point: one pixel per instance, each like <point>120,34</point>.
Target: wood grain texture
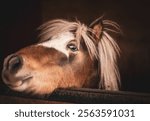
<point>78,96</point>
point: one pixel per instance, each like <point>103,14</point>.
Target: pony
<point>69,54</point>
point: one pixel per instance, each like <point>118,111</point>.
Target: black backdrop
<point>20,18</point>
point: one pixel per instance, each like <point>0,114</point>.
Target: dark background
<point>20,19</point>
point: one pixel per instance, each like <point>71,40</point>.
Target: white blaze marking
<point>59,42</point>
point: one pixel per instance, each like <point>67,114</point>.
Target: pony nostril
<point>14,63</point>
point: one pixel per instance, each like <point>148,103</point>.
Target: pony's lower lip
<point>22,81</point>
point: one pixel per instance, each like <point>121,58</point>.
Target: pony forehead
<point>59,42</point>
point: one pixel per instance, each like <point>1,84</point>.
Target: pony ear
<point>108,51</point>
<point>97,27</point>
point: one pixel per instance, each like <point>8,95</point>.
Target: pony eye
<point>72,47</point>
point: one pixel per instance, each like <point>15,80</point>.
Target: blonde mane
<point>105,51</point>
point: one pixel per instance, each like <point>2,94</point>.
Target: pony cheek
<point>43,85</point>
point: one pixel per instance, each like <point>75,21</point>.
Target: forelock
<point>81,31</point>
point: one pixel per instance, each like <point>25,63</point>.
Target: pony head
<point>69,54</point>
